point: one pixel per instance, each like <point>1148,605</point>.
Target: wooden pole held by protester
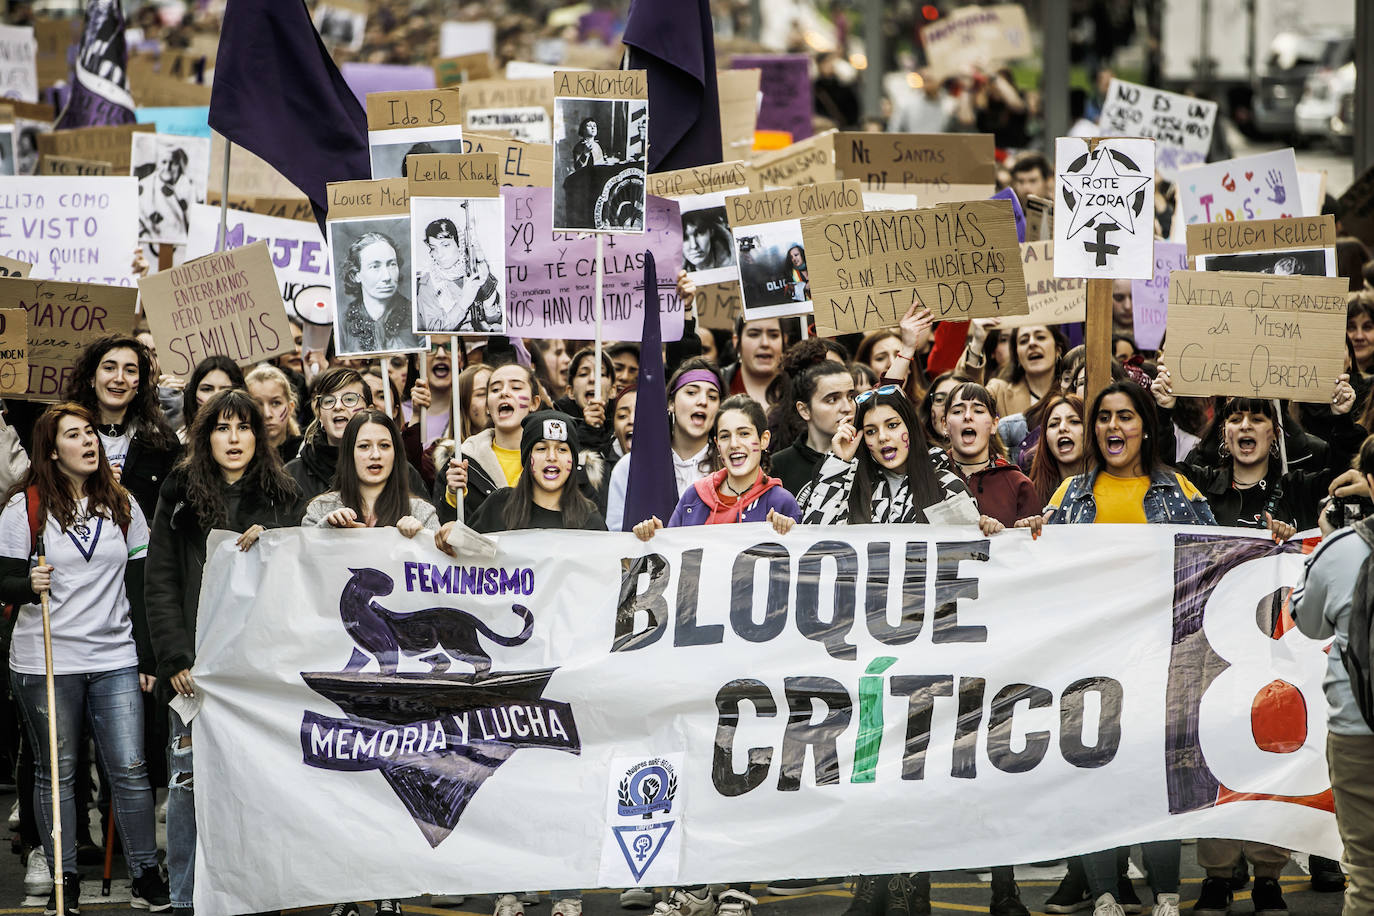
<point>1099,342</point>
<point>596,312</point>
<point>53,780</point>
<point>386,387</point>
<point>424,411</point>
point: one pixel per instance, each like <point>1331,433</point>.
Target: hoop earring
<point>1223,451</point>
<point>1274,448</point>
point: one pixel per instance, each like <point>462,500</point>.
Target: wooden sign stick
<point>1099,342</point>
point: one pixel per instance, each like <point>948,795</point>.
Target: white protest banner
<point>224,304</point>
<point>18,63</point>
<point>976,37</point>
<point>1180,125</point>
<point>80,231</point>
<point>903,657</point>
<point>299,255</point>
<point>1104,193</point>
<point>1263,186</point>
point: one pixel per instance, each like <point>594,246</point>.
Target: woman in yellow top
<point>1128,483</point>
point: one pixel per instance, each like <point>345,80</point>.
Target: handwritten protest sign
<point>938,168</point>
<point>14,351</point>
<point>550,275</point>
<point>961,259</point>
<point>1262,235</point>
<point>225,304</point>
<point>404,123</point>
<point>708,250</point>
<point>84,231</point>
<point>601,140</point>
<point>267,206</point>
<point>704,179</point>
<point>296,247</point>
<point>811,161</point>
<point>786,83</point>
<point>1105,194</point>
<point>62,319</point>
<point>1150,298</point>
<point>1180,125</point>
<point>769,248</point>
<point>100,144</point>
<point>1256,335</point>
<point>1263,186</point>
<point>18,63</point>
<point>739,93</point>
<point>521,164</point>
<point>976,37</point>
<point>66,165</point>
<point>481,97</point>
<point>1050,299</point>
<point>718,304</point>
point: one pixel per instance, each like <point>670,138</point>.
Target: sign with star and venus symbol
<point>1104,201</point>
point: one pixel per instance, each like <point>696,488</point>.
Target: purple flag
<point>100,94</point>
<point>673,41</point>
<point>652,487</point>
<point>278,94</point>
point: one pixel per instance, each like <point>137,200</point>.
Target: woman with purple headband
<point>694,394</point>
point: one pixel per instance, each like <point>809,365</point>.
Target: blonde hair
<point>269,374</point>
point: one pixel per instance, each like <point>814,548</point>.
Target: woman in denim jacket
<point>1128,483</point>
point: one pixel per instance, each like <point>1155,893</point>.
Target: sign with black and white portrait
<point>172,172</point>
<point>601,148</point>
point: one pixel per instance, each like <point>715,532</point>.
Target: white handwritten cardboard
<point>1264,186</point>
<point>1104,208</point>
<point>1180,125</point>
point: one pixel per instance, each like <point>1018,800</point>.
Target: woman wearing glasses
<point>338,393</point>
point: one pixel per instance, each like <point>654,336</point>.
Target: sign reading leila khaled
<point>436,725</point>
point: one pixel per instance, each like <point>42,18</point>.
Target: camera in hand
<point>1344,511</point>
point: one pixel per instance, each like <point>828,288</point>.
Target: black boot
<point>1327,876</point>
<point>908,895</point>
<point>1072,893</point>
<point>1125,890</point>
<point>869,896</point>
<point>1006,896</point>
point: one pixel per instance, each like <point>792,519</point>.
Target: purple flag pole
<point>652,487</point>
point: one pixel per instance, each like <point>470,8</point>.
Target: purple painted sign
<point>365,78</point>
<point>550,276</point>
<point>786,86</point>
<point>1150,298</point>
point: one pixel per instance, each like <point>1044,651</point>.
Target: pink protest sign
<point>550,276</point>
<point>1150,298</point>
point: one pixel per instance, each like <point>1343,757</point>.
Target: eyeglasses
<point>347,399</point>
<point>886,389</point>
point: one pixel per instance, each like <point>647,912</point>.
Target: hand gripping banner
<point>726,704</point>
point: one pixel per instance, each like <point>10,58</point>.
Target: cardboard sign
<point>1262,235</point>
<point>718,305</point>
<point>601,84</point>
<point>225,304</point>
<point>551,275</point>
<point>99,144</point>
<point>506,95</point>
<point>978,37</point>
<point>1039,219</point>
<point>1256,335</point>
<point>769,248</point>
<point>62,319</point>
<point>14,351</point>
<point>1104,191</point>
<point>400,124</point>
<point>601,149</point>
<point>1180,125</point>
<point>282,208</point>
<point>1263,186</point>
<point>9,267</point>
<point>296,246</point>
<point>451,71</point>
<point>154,90</point>
<point>808,162</point>
<point>786,83</point>
<point>938,168</point>
<point>521,164</point>
<point>705,179</point>
<point>1049,299</point>
<point>67,165</point>
<point>962,260</point>
<point>54,37</point>
<point>18,63</point>
<point>1150,298</point>
<point>79,231</point>
<point>739,106</point>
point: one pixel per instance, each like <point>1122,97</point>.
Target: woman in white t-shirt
<point>95,538</point>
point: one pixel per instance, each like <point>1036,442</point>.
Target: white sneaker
<point>508,905</point>
<point>14,816</point>
<point>567,906</point>
<point>1165,905</point>
<point>735,903</point>
<point>37,881</point>
<point>635,898</point>
<point>685,903</point>
<point>1106,905</point>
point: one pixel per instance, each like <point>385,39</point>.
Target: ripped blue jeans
<point>181,816</point>
<point>112,703</point>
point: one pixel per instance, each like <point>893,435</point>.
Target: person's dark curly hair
<point>144,412</point>
<point>783,420</point>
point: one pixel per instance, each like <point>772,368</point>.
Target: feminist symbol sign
<point>1105,192</point>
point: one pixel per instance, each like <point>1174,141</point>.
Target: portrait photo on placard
<point>26,134</point>
<point>458,283</point>
<point>601,149</point>
<point>772,269</point>
<point>341,27</point>
<point>7,149</point>
<point>708,253</point>
<point>172,172</point>
<point>389,157</point>
<point>1301,262</point>
<point>371,266</point>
